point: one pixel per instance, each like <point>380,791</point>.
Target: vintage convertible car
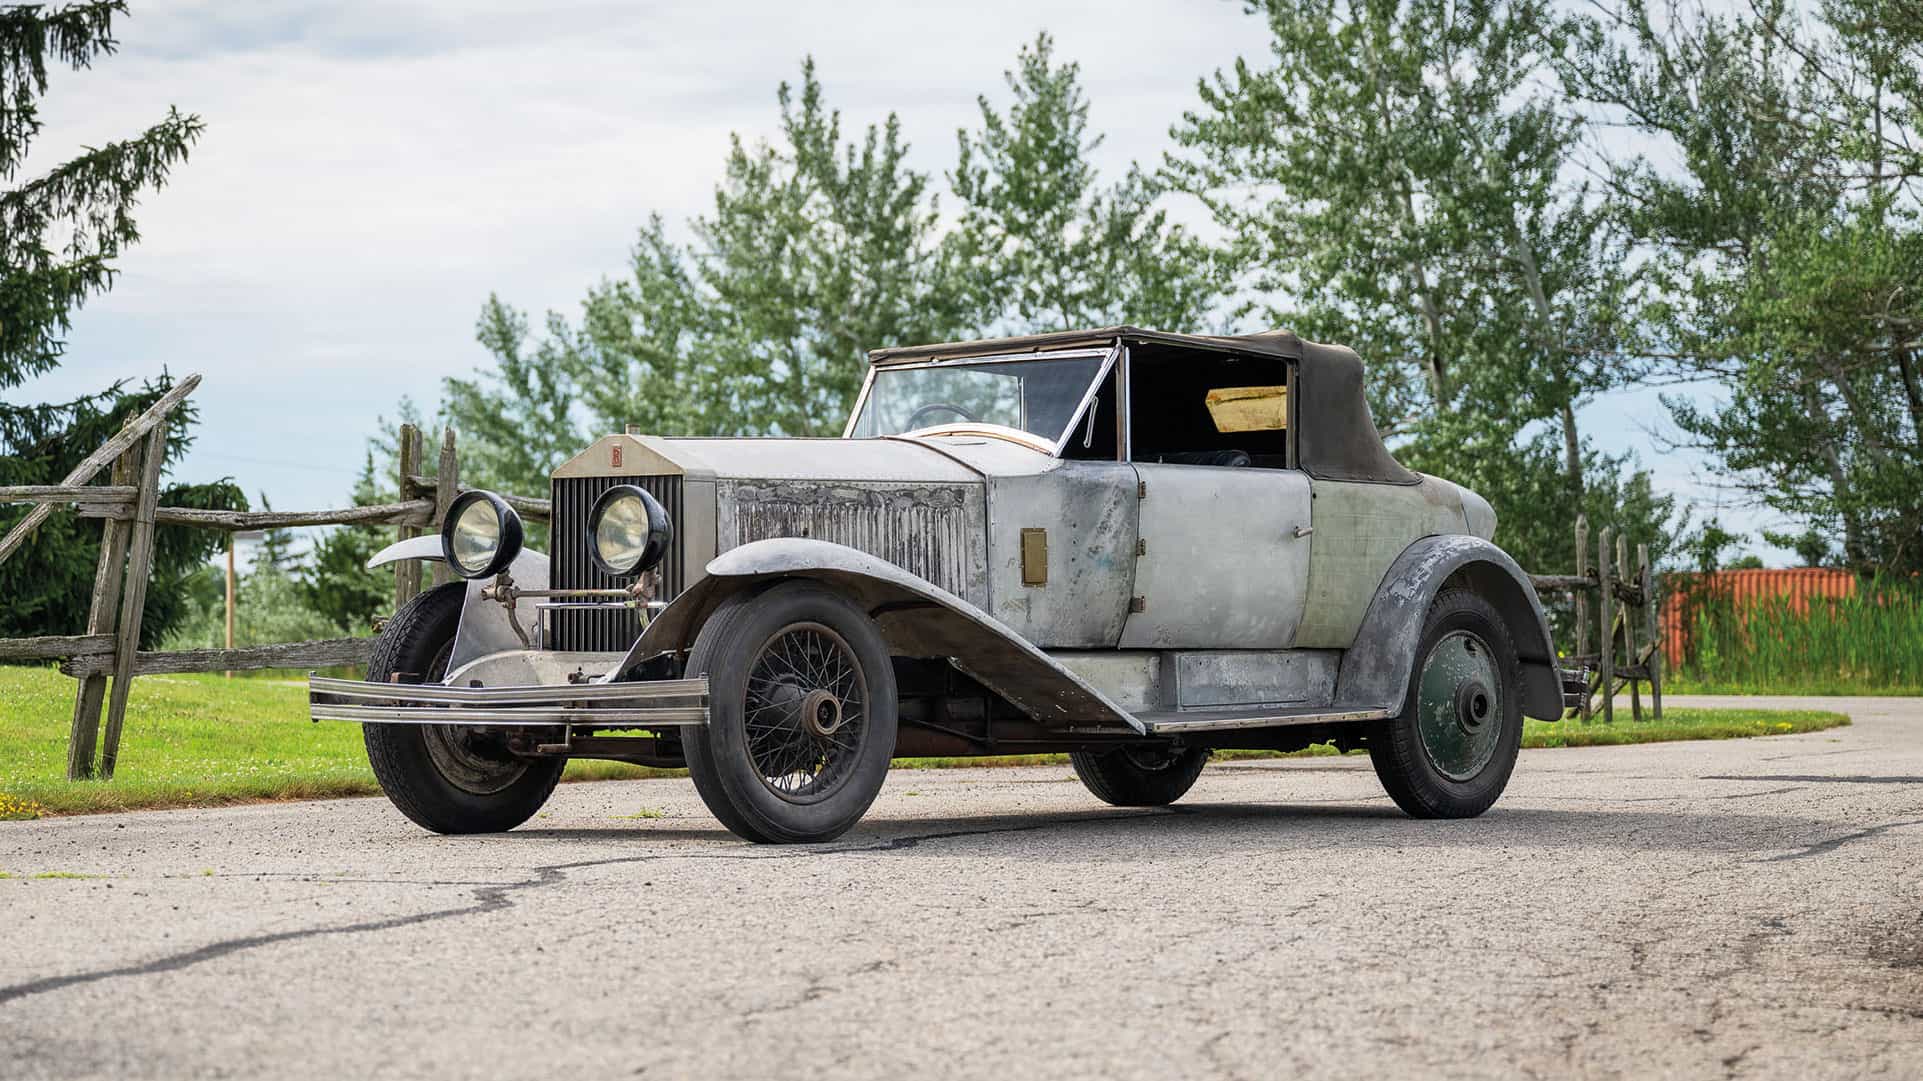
<point>1132,546</point>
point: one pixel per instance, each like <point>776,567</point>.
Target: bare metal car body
<point>1039,589</point>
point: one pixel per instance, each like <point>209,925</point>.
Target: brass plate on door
<point>1034,557</point>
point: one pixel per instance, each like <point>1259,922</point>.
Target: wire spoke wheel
<point>802,713</point>
<point>806,712</point>
<point>1458,702</point>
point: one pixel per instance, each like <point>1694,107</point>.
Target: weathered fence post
<point>1629,631</point>
<point>1604,598</point>
<point>108,577</point>
<point>407,572</point>
<point>1654,612</point>
<point>447,485</point>
<point>140,558</point>
<point>1582,600</point>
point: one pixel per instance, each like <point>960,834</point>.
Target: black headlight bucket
<point>508,522</point>
<point>653,550</point>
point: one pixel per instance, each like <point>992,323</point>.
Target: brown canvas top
<point>1275,343</point>
<point>1336,437</point>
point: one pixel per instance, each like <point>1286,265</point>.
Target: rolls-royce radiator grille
<point>571,567</point>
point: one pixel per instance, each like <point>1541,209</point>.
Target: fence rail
<point>107,657</point>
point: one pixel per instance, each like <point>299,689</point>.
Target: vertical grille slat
<point>604,630</point>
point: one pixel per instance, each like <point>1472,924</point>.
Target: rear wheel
<point>1139,776</point>
<point>446,778</point>
<point>802,714</point>
<point>1451,751</point>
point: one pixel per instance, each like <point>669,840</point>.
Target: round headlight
<point>481,535</point>
<point>628,531</point>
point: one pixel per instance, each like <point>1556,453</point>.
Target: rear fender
<point>916,617</point>
<point>1375,671</point>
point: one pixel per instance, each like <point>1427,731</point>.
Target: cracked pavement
<point>1749,908</point>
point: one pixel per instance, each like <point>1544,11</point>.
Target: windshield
<point>1040,396</point>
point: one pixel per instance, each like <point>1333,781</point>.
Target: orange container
<point>1745,589</point>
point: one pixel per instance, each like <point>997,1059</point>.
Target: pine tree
<point>61,233</point>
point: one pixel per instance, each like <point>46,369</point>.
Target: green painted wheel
<point>1456,700</point>
<point>1450,752</point>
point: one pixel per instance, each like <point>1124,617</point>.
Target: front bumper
<point>662,703</point>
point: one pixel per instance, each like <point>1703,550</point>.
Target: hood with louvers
<point>905,501</point>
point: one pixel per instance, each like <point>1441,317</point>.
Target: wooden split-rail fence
<point>106,657</point>
<point>1618,624</point>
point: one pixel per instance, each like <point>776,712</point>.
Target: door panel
<point>1222,566</point>
<point>1084,513</point>
<point>1359,530</point>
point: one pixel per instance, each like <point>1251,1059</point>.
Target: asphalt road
<point>1746,909</point>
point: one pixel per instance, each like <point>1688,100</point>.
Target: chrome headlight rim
<point>660,532</point>
<point>506,547</point>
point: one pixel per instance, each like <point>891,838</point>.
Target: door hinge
<point>1141,489</point>
<point>1138,604</point>
<point>1141,546</point>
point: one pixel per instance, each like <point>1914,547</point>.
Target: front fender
<point>1375,671</point>
<point>423,548</point>
<point>917,617</point>
<point>485,627</point>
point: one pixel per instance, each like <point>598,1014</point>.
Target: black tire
<point>1139,776</point>
<point>827,777</point>
<point>1449,753</point>
<point>446,779</point>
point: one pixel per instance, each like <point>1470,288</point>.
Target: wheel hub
<point>471,761</point>
<point>804,712</point>
<point>1473,706</point>
<point>1459,705</point>
<point>821,712</point>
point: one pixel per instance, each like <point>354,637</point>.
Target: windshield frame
<point>1110,356</point>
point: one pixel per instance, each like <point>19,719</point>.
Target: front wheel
<point>801,714</point>
<point>446,778</point>
<point>1451,751</point>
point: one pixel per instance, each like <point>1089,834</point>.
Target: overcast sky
<point>371,171</point>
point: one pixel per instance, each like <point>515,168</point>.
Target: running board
<point>1176,722</point>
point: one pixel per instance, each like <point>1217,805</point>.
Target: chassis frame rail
<point>648,704</point>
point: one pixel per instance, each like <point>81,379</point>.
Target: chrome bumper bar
<point>659,703</point>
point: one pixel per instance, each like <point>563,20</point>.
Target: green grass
<point>190,741</point>
<point>1680,724</point>
<point>195,741</point>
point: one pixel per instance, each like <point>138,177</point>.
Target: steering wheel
<point>914,419</point>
